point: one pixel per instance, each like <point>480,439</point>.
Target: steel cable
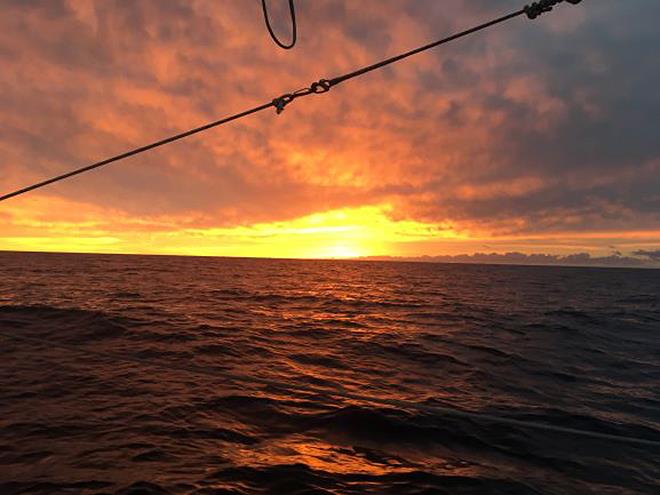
<point>532,11</point>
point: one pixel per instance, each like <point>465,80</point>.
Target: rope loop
<point>294,26</point>
<point>321,86</point>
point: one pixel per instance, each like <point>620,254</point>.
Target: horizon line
<point>431,259</point>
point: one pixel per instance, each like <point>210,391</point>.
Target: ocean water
<point>155,375</point>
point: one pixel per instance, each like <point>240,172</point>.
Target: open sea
<point>159,375</point>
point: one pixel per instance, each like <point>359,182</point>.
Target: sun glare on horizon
<point>341,251</point>
<point>340,233</point>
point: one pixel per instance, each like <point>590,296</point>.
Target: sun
<point>340,251</point>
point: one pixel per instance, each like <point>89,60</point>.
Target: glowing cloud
<point>530,136</point>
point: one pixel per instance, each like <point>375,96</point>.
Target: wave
<point>321,301</point>
<point>301,479</point>
<point>67,324</point>
<point>578,351</point>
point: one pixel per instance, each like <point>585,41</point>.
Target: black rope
<point>410,53</point>
<point>294,26</point>
<point>322,86</point>
<point>136,151</point>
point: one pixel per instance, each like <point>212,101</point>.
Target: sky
<point>534,137</point>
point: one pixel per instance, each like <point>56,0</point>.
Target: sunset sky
<point>535,136</point>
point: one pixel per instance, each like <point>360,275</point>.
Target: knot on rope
<point>321,86</point>
<point>535,9</point>
<point>281,101</point>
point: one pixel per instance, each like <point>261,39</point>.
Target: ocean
<point>184,375</point>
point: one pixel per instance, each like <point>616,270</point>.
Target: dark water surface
<point>573,347</point>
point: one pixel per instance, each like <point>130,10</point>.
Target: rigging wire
<point>294,26</point>
<point>339,391</point>
<point>532,11</point>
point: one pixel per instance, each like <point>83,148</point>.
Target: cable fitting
<point>535,9</point>
<point>321,86</point>
<point>280,102</point>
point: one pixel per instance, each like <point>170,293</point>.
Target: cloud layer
<point>530,130</point>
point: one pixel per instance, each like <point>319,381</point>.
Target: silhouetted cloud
<point>577,259</point>
<point>652,255</point>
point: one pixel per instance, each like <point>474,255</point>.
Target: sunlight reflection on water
<point>550,344</point>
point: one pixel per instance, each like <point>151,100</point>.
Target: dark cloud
<point>652,255</point>
<point>515,258</point>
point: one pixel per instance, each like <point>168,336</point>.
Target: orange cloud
<point>520,135</point>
